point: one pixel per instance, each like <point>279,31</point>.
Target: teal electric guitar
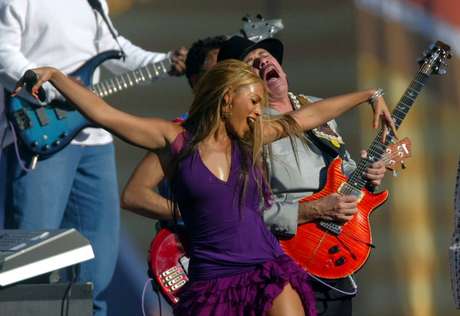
<point>44,130</point>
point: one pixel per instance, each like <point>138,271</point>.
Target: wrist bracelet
<point>378,93</point>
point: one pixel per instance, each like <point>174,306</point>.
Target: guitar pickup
<point>177,280</point>
<point>22,120</point>
<point>333,228</point>
<point>60,114</point>
<point>176,283</point>
<point>347,189</point>
<point>172,270</point>
<point>41,116</point>
<point>173,276</point>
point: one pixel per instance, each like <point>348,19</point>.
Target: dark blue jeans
<point>77,187</point>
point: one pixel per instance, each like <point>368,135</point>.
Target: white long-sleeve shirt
<point>296,171</point>
<point>63,34</point>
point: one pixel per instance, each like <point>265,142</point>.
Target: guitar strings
<point>377,148</point>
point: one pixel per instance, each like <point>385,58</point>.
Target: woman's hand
<point>382,113</point>
<point>33,79</point>
<point>151,133</point>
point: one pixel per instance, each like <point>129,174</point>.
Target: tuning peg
<point>421,60</point>
<point>259,16</point>
<point>442,69</point>
<point>403,165</point>
<point>246,18</point>
<point>425,53</point>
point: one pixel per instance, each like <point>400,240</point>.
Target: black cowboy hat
<point>238,47</point>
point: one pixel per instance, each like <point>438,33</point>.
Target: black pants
<point>329,302</point>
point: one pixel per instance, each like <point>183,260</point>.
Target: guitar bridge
<point>333,228</point>
<point>22,119</point>
<point>60,113</point>
<point>41,116</point>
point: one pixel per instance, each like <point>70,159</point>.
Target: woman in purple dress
<point>215,168</point>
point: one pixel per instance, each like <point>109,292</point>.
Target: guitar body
<point>329,250</point>
<point>45,130</point>
<point>168,263</point>
<point>325,254</point>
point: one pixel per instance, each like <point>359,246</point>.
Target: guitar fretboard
<point>377,149</point>
<point>457,204</point>
<point>132,78</point>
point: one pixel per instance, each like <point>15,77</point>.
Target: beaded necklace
<point>323,131</point>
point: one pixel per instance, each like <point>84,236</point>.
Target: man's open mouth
<point>272,74</point>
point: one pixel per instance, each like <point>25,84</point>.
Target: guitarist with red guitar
<point>329,209</point>
<point>297,169</point>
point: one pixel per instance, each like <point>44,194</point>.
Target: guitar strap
<point>325,146</point>
<point>324,137</point>
<point>96,6</point>
<point>328,141</point>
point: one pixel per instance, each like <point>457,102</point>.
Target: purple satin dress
<point>237,266</point>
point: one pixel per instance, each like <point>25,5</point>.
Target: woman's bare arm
<point>139,196</point>
<point>143,132</point>
<point>317,113</point>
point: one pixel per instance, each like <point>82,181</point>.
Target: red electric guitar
<point>331,250</point>
<point>168,259</point>
<point>168,262</point>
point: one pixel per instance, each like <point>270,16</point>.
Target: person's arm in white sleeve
<point>135,56</point>
<point>13,63</point>
<point>282,217</point>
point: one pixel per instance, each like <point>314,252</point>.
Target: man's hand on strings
<point>375,172</point>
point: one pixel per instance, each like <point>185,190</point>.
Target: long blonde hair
<point>207,108</point>
<point>206,113</point>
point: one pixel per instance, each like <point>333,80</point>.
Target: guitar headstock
<point>257,28</point>
<point>434,60</point>
<point>396,153</point>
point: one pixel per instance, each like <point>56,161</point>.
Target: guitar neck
<point>132,78</point>
<point>255,29</point>
<point>377,148</point>
<point>457,201</point>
